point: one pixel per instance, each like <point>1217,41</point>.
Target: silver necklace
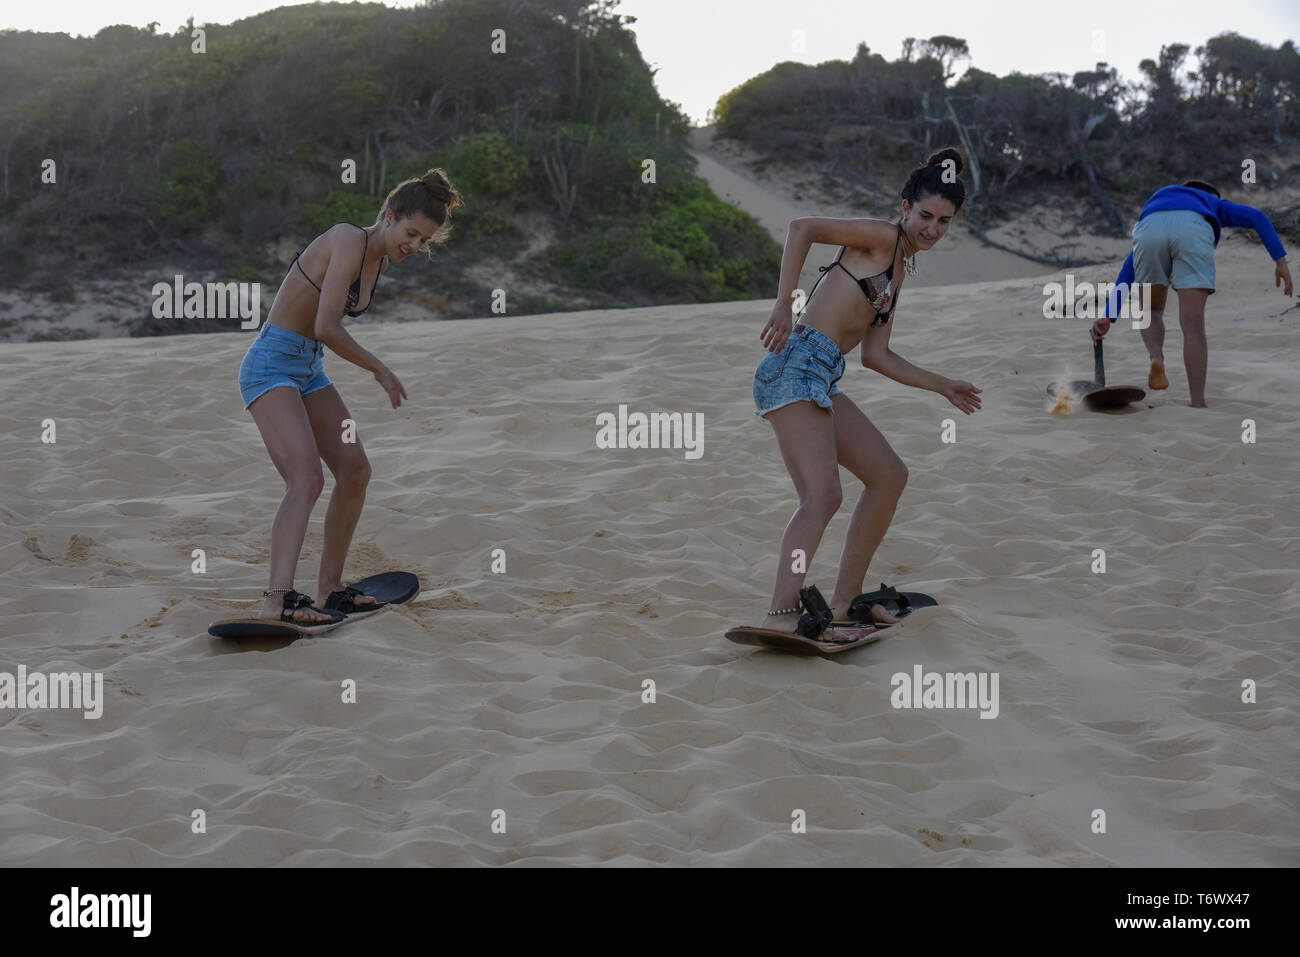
<point>909,262</point>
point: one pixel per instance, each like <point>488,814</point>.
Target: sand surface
<point>522,692</point>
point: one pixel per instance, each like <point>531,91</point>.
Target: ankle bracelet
<point>276,591</point>
<point>783,611</point>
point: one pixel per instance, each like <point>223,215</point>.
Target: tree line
<point>1087,134</point>
<point>204,158</point>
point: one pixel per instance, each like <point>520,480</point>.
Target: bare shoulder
<point>864,234</point>
<point>343,246</point>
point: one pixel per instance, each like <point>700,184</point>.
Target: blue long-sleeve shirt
<point>1219,212</point>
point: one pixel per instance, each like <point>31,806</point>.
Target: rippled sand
<point>522,692</point>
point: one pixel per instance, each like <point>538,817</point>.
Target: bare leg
<point>1191,316</point>
<point>865,453</point>
<point>351,470</point>
<point>1154,337</point>
<point>285,429</point>
<point>806,436</point>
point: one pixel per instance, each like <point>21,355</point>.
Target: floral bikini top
<point>879,289</point>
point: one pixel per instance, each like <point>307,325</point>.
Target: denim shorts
<point>807,368</point>
<point>281,357</point>
<point>1174,247</point>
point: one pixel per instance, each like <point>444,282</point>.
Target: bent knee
<point>307,483</point>
<point>893,475</point>
<point>354,475</point>
<point>823,502</point>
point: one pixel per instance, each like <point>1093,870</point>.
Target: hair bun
<point>437,183</point>
<point>937,159</point>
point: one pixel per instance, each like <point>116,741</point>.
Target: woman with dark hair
<point>301,414</point>
<point>818,427</point>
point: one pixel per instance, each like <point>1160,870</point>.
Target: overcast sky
<point>703,48</point>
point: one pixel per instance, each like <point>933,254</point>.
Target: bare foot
<point>1157,378</point>
<point>786,623</point>
<point>878,613</point>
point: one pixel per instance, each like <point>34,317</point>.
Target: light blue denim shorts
<point>278,357</point>
<point>806,369</point>
<point>1174,247</point>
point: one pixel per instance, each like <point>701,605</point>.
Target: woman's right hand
<point>778,327</point>
<point>391,385</point>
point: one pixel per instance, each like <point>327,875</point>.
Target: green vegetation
<point>208,159</point>
<point>1090,133</point>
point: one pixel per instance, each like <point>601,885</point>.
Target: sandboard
<point>799,645</point>
<point>1106,397</point>
<point>393,588</point>
<point>1095,394</point>
<point>254,627</point>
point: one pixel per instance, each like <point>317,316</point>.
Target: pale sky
<point>703,48</point>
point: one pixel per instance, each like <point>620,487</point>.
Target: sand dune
<point>961,258</point>
<point>522,691</point>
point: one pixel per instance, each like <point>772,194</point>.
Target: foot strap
<point>346,601</point>
<point>818,614</point>
<point>895,602</point>
<point>293,601</point>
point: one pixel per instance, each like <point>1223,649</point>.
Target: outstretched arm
<point>1123,288</point>
<point>1248,217</point>
<point>1241,215</point>
<point>877,355</point>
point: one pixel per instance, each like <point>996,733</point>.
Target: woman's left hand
<point>963,395</point>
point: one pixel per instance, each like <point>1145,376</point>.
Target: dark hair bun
<point>936,159</point>
<point>933,179</point>
<point>437,183</point>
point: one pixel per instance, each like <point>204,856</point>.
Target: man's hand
<point>391,385</point>
<point>778,326</point>
<point>1282,277</point>
<point>1100,328</point>
<point>963,395</point>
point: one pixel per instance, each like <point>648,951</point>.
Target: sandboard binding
<point>387,588</point>
<point>807,637</point>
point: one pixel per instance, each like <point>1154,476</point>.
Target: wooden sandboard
<point>799,645</point>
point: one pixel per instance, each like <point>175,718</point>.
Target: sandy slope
<point>522,691</point>
<point>786,191</point>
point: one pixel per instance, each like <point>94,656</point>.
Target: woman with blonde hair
<point>300,413</point>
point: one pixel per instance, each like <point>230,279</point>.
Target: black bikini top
<point>880,298</point>
<point>354,291</point>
